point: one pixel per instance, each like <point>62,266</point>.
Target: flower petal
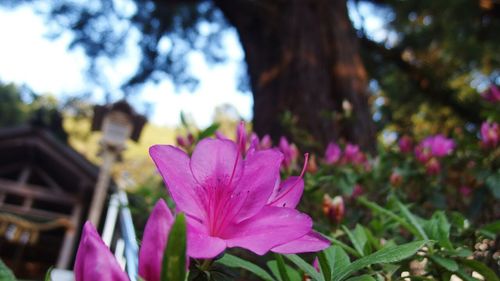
<point>216,163</point>
<point>201,245</point>
<point>173,165</point>
<point>94,261</point>
<point>271,227</point>
<point>289,193</point>
<point>261,171</point>
<point>311,242</point>
<point>154,242</point>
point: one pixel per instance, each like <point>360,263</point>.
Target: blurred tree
<point>13,111</point>
<point>303,57</point>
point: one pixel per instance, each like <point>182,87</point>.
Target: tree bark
<point>303,57</point>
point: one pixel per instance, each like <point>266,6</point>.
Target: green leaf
<point>491,229</point>
<point>385,255</point>
<point>281,268</point>
<point>383,211</point>
<point>234,261</point>
<point>307,268</point>
<point>332,259</point>
<point>5,273</point>
<point>438,229</point>
<point>208,131</point>
<point>174,256</point>
<point>362,278</point>
<point>481,268</point>
<point>293,274</point>
<point>358,238</point>
<point>417,229</point>
<point>47,275</point>
<point>493,183</point>
<point>465,276</point>
<point>445,263</point>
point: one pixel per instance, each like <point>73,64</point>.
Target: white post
<point>101,189</point>
<point>111,217</point>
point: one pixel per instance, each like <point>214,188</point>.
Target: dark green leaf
<point>417,228</point>
<point>493,183</point>
<point>446,263</point>
<point>174,257</point>
<point>358,238</point>
<point>208,131</point>
<point>234,261</point>
<point>385,255</point>
<point>481,268</point>
<point>362,278</point>
<point>293,274</point>
<point>491,230</point>
<point>281,268</point>
<point>307,268</point>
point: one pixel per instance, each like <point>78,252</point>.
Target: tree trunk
<point>303,58</point>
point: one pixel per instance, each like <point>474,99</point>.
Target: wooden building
<point>45,192</point>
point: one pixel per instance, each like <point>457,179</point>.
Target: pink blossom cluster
<point>492,94</point>
<point>352,154</point>
<point>490,134</point>
<point>431,149</point>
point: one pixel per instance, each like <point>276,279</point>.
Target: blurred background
<point>362,72</point>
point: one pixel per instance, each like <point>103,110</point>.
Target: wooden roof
<point>57,164</point>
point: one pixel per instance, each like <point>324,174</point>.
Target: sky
<point>28,57</point>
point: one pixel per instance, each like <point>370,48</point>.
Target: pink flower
<point>235,202</point>
<point>290,152</point>
<point>94,261</point>
<point>352,154</point>
<point>490,134</point>
<point>332,153</point>
<point>264,143</point>
<point>405,144</point>
<point>492,94</point>
<point>437,146</point>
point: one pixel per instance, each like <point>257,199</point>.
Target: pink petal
<point>261,171</point>
<point>154,242</point>
<point>200,245</point>
<point>216,163</point>
<point>311,242</point>
<point>289,193</point>
<point>173,165</point>
<point>271,227</point>
<point>94,261</point>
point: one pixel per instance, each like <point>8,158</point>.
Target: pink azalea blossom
<point>490,134</point>
<point>234,202</point>
<point>332,153</point>
<point>290,152</point>
<point>405,144</point>
<point>259,144</point>
<point>94,261</point>
<point>434,146</point>
<point>353,154</point>
<point>492,94</point>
